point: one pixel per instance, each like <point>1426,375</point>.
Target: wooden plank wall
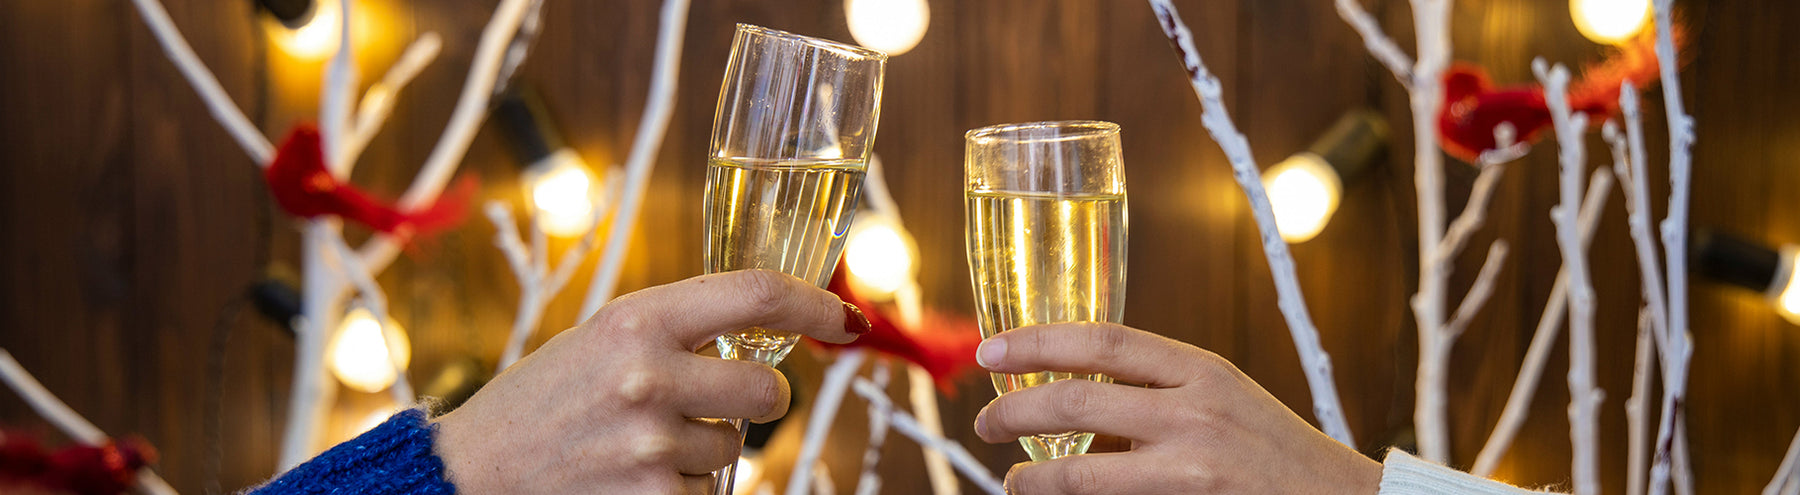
<point>129,219</point>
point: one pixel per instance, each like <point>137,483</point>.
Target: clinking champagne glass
<point>1046,239</point>
<point>790,143</point>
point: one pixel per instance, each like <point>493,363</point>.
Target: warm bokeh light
<point>562,194</point>
<point>316,38</point>
<point>745,476</point>
<point>892,26</point>
<point>1303,190</point>
<point>1610,21</point>
<point>360,356</point>
<point>1787,295</point>
<point>879,254</point>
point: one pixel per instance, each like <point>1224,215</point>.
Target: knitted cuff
<point>392,458</point>
<point>1403,474</point>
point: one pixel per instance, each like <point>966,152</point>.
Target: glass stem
<point>726,477</point>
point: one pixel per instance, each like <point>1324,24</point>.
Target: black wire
<point>214,422</point>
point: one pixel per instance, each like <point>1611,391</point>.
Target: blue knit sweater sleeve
<point>392,458</point>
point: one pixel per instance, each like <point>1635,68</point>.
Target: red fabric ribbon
<point>304,187</point>
<point>943,344</point>
<point>109,469</point>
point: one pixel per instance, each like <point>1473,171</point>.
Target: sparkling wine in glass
<point>1046,239</point>
<point>790,144</point>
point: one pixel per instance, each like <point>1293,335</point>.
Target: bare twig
<point>1380,46</point>
<point>538,285</point>
<point>1676,355</point>
<point>659,106</point>
<point>334,102</point>
<point>378,101</point>
<point>1327,409</point>
<point>1637,407</point>
<point>838,378</point>
<point>1518,403</point>
<point>217,101</point>
<point>869,483</point>
<point>1479,292</point>
<point>906,425</point>
<point>376,300</point>
<point>1473,215</point>
<point>1584,396</point>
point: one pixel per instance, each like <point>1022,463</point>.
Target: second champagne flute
<point>1046,239</point>
<point>790,144</point>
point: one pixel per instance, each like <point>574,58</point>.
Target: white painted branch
<point>66,419</point>
<point>658,107</point>
<point>1473,215</point>
<point>1676,355</point>
<point>960,458</point>
<point>925,407</point>
<point>824,411</point>
<point>869,482</point>
<point>1785,476</point>
<point>1637,407</point>
<point>1431,22</point>
<point>217,101</point>
<point>1316,363</point>
<point>1380,46</point>
<point>519,47</point>
<point>334,102</point>
<point>1479,293</point>
<point>538,286</point>
<point>351,268</point>
<point>1518,403</point>
<point>378,102</point>
<point>471,108</point>
<point>311,393</point>
<point>1631,165</point>
<point>1584,395</point>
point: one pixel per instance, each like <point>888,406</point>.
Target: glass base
<point>756,347</point>
<point>1047,447</point>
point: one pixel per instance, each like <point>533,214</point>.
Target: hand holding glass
<point>1046,239</point>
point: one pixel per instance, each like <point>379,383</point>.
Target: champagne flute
<point>790,144</point>
<point>1046,214</point>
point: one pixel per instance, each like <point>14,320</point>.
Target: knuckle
<point>1072,402</point>
<point>624,318</point>
<point>764,290</point>
<point>1080,477</point>
<point>654,451</point>
<point>1109,342</point>
<point>640,385</point>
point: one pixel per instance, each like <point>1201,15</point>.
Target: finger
<point>723,388</point>
<point>704,446</point>
<point>1078,405</point>
<point>694,311</point>
<point>697,485</point>
<point>1122,352</point>
<point>1089,474</point>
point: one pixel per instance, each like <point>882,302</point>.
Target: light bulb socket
<point>1733,260</point>
<point>291,13</point>
<point>528,125</point>
<point>1353,143</point>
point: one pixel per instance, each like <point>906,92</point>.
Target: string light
<point>892,26</point>
<point>563,194</point>
<point>1785,290</point>
<point>359,353</point>
<point>308,32</point>
<point>1304,192</point>
<point>1610,21</point>
<point>745,475</point>
<point>880,256</point>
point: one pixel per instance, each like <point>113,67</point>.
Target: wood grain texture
<point>128,219</point>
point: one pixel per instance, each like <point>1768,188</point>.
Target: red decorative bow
<point>943,344</point>
<point>105,470</point>
<point>1473,107</point>
<point>304,188</point>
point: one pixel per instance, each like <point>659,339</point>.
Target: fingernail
<point>981,425</point>
<point>854,321</point>
<point>990,352</point>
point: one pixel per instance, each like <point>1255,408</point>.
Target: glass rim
<point>841,48</point>
<point>1073,130</point>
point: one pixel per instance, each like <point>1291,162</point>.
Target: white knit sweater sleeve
<point>1404,474</point>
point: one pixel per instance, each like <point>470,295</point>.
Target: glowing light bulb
<point>880,256</point>
<point>360,356</point>
<point>315,38</point>
<point>1610,21</point>
<point>892,26</point>
<point>1303,190</point>
<point>1786,290</point>
<point>563,194</point>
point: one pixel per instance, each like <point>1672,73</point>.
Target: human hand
<point>613,405</point>
<point>1198,426</point>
